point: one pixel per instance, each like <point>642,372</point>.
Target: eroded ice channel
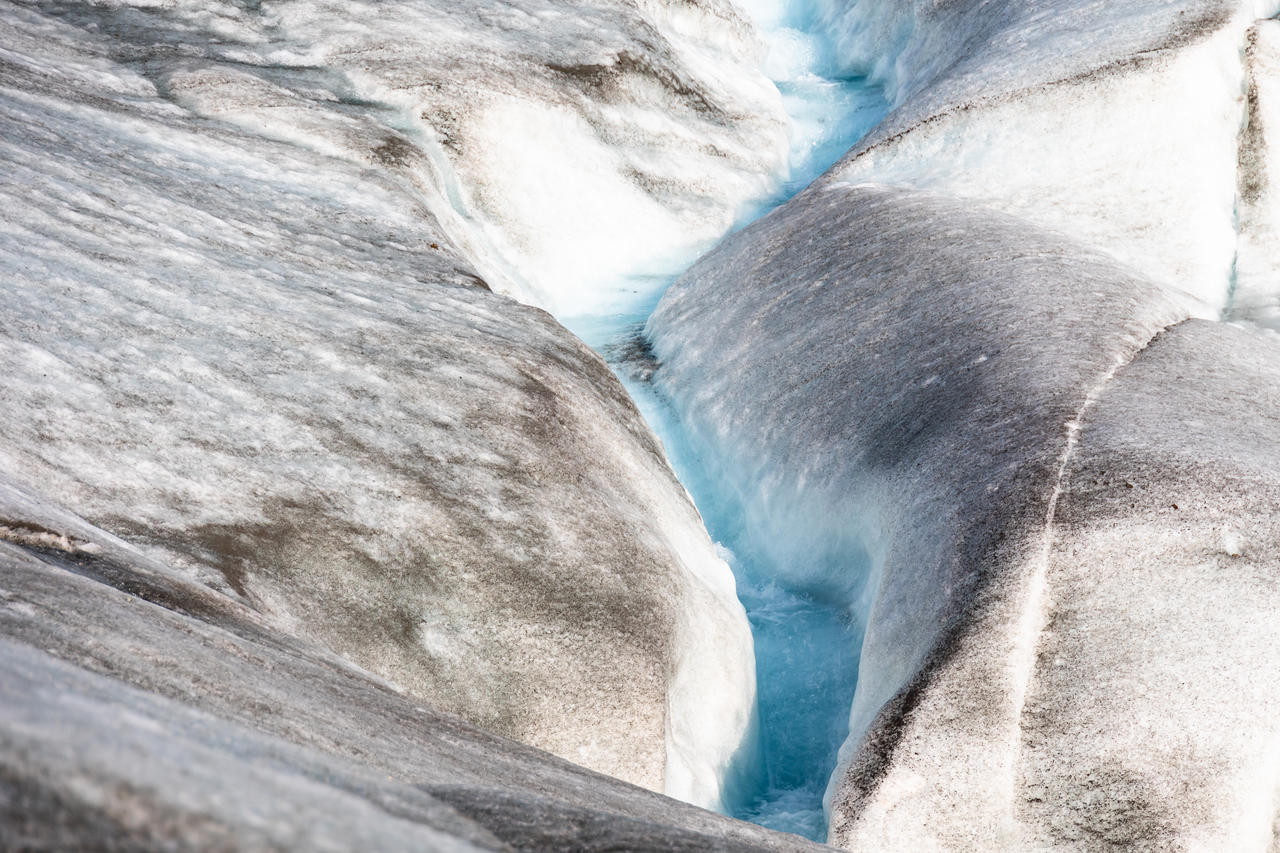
<point>806,647</point>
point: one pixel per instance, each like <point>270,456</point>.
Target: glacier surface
<point>972,368</point>
<point>245,330</point>
<point>958,414</point>
<point>143,710</point>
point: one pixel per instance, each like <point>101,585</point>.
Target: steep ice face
<point>246,339</point>
<point>145,711</point>
<point>1116,124</point>
<point>935,58</point>
<point>1033,473</point>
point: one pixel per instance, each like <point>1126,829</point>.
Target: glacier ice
<point>1021,510</point>
<point>1167,526</point>
<point>953,409</point>
<point>1114,123</point>
<point>246,330</point>
<point>144,710</point>
<point>971,353</point>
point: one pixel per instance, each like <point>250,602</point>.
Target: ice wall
<point>247,329</point>
<point>1117,124</point>
<point>144,711</point>
<point>906,362</point>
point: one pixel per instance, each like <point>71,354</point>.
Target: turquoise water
<point>806,649</point>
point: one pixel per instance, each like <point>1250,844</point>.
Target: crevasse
<point>806,647</point>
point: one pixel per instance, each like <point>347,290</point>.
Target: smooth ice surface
<point>806,641</point>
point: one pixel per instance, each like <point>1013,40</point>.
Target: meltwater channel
<point>806,649</point>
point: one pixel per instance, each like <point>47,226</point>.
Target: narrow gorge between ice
<point>532,425</point>
<point>806,638</point>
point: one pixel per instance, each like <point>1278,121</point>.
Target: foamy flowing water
<point>806,648</point>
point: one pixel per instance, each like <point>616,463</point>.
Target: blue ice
<point>806,648</point>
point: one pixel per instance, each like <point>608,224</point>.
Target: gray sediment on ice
<point>1016,429</point>
<point>311,485</point>
<point>143,710</point>
<point>268,362</point>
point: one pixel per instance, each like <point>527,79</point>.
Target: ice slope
<point>1160,594</point>
<point>573,142</point>
<point>1066,492</point>
<point>1114,123</point>
<point>140,710</point>
<point>897,371</point>
<point>257,346</point>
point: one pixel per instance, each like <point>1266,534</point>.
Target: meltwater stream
<point>806,650</point>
